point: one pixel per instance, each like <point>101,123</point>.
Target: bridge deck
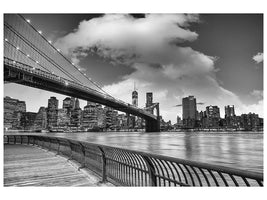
<point>32,166</point>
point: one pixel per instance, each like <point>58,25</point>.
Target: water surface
<point>237,150</point>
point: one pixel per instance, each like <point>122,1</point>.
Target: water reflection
<point>238,150</point>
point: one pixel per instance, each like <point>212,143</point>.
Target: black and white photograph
<point>132,99</point>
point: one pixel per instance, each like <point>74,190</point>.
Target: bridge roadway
<point>31,166</point>
<point>21,73</point>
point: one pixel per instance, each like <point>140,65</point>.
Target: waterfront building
<point>76,118</point>
<point>122,121</point>
<point>27,120</point>
<point>250,121</point>
<point>72,103</point>
<point>230,118</point>
<point>90,116</point>
<point>149,101</point>
<point>101,116</point>
<point>135,98</point>
<point>111,118</point>
<point>213,116</point>
<point>52,110</point>
<point>63,119</point>
<point>13,109</point>
<point>179,122</point>
<point>77,104</point>
<point>189,111</point>
<point>40,122</point>
<point>67,104</point>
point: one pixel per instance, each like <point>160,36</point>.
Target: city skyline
<point>218,69</point>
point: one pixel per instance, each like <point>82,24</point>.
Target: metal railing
<point>133,168</point>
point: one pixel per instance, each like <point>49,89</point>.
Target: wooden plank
<point>31,166</point>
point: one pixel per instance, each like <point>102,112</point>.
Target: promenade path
<point>32,166</point>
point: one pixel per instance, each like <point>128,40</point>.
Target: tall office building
<point>13,110</point>
<point>230,117</point>
<point>213,116</point>
<point>189,105</point>
<point>67,104</point>
<point>149,101</point>
<point>27,120</point>
<point>52,109</point>
<point>135,97</point>
<point>40,122</point>
<point>77,104</point>
<point>90,116</point>
<point>63,119</point>
<point>72,103</point>
<point>229,111</point>
<point>76,114</point>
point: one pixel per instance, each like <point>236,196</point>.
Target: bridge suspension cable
<point>72,64</point>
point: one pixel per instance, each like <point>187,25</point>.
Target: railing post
<point>70,150</point>
<point>58,147</point>
<point>151,171</point>
<point>15,140</point>
<point>28,140</point>
<point>7,139</point>
<point>104,165</point>
<point>21,139</point>
<point>83,153</point>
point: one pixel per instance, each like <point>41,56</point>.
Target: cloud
<point>151,46</point>
<point>258,58</point>
<point>258,94</point>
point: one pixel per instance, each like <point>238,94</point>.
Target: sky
<point>218,58</point>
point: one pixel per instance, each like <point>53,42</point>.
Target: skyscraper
<point>189,111</point>
<point>230,117</point>
<point>77,104</point>
<point>52,112</point>
<point>72,103</point>
<point>135,97</point>
<point>67,104</point>
<point>13,110</point>
<point>40,122</point>
<point>76,115</point>
<point>149,101</point>
<point>90,116</point>
<point>213,116</point>
<point>229,111</point>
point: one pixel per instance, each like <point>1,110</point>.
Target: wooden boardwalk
<point>31,166</point>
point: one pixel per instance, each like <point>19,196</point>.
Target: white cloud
<point>258,58</point>
<point>150,45</point>
<point>258,94</point>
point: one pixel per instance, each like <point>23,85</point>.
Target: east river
<point>242,150</point>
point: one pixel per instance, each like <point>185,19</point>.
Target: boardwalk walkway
<point>31,166</point>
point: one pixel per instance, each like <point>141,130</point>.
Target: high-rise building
<point>230,118</point>
<point>77,104</point>
<point>67,104</point>
<point>189,111</point>
<point>13,109</point>
<point>76,115</point>
<point>72,103</point>
<point>90,116</point>
<point>213,116</point>
<point>149,101</point>
<point>27,120</point>
<point>101,116</point>
<point>135,97</point>
<point>63,119</point>
<point>40,122</point>
<point>52,110</point>
<point>250,121</point>
<point>229,111</point>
